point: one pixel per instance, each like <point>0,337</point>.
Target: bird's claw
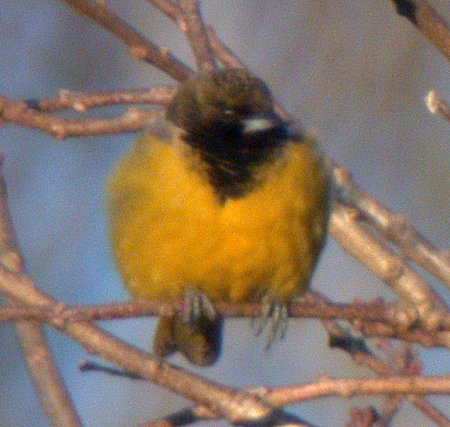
<point>196,305</point>
<point>276,313</point>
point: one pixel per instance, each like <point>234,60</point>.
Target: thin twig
<point>422,385</point>
<point>372,319</point>
<point>81,101</point>
<point>171,9</point>
<point>382,368</point>
<point>225,401</point>
<point>387,266</point>
<point>139,46</point>
<point>88,366</point>
<point>391,408</point>
<point>196,34</point>
<point>373,311</point>
<point>430,410</point>
<point>44,373</point>
<point>188,415</point>
<point>233,404</point>
<point>220,50</point>
<point>427,20</point>
<point>20,113</point>
<point>396,228</point>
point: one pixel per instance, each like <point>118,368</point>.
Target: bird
<point>221,200</point>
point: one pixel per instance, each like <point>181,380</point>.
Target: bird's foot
<point>275,313</point>
<point>196,305</point>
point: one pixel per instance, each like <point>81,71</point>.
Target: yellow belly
<point>169,230</point>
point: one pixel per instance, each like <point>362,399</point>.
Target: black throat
<point>233,156</point>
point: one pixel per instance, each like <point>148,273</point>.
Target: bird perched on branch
<point>223,201</point>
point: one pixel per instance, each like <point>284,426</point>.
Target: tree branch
<point>226,401</point>
<point>139,46</point>
<point>60,128</point>
<point>363,356</point>
<point>81,101</point>
<point>426,19</point>
<point>196,34</point>
<point>371,319</point>
<point>347,388</point>
<point>394,227</point>
<point>42,368</point>
<point>387,266</point>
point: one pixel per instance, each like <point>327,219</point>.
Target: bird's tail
<point>199,343</point>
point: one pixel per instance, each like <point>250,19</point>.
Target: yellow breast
<point>169,230</point>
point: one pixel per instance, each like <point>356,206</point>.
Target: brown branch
<point>20,113</point>
<point>220,50</point>
<point>347,388</point>
<point>428,409</point>
<point>80,101</point>
<point>383,368</point>
<point>426,19</point>
<point>41,365</point>
<point>193,414</point>
<point>387,266</point>
<point>373,319</point>
<point>139,46</point>
<point>393,227</point>
<point>234,405</point>
<point>171,9</point>
<point>374,311</point>
<point>195,31</point>
<point>413,335</point>
<point>392,406</point>
<point>437,105</point>
<point>226,401</point>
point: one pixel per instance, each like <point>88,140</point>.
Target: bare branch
<point>426,19</point>
<point>437,105</point>
<point>139,46</point>
<point>20,113</point>
<point>387,266</point>
<point>185,416</point>
<point>220,50</point>
<point>428,409</point>
<point>382,368</point>
<point>171,9</point>
<point>195,31</point>
<point>41,365</point>
<point>393,227</point>
<point>422,385</point>
<point>229,403</point>
<point>80,101</point>
<point>372,319</point>
<point>375,311</point>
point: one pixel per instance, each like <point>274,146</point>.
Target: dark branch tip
<point>407,8</point>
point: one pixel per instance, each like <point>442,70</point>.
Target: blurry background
<point>355,73</point>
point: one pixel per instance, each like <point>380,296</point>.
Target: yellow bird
<point>223,201</point>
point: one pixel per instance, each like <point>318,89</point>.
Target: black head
<point>222,97</point>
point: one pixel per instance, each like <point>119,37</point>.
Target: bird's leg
<point>196,305</point>
<point>276,313</point>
